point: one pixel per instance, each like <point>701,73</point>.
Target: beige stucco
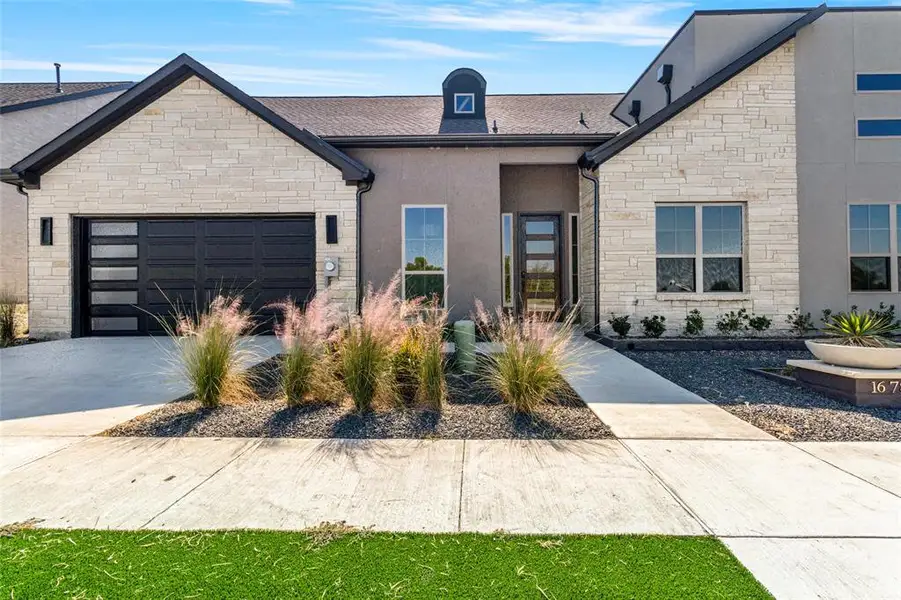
<point>468,182</point>
<point>737,144</point>
<point>193,151</point>
<point>21,133</point>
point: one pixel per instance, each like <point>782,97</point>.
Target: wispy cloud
<point>397,49</point>
<point>230,71</point>
<point>272,2</point>
<point>187,47</point>
<point>629,24</point>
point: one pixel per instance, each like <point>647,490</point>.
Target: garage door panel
<point>190,261</point>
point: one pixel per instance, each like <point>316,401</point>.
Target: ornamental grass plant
<point>534,352</point>
<point>307,362</point>
<point>9,303</point>
<point>207,350</point>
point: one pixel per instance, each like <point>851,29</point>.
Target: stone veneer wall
<point>737,144</point>
<point>193,151</point>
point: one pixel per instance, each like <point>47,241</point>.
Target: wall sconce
<point>331,229</point>
<point>46,231</point>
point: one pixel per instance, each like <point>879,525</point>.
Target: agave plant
<point>861,329</point>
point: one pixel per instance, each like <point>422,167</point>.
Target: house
<point>32,114</point>
<point>754,164</point>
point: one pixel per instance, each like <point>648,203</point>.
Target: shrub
<point>367,343</point>
<point>207,350</point>
<point>826,315</point>
<point>431,390</point>
<point>887,313</point>
<point>694,322</point>
<point>536,349</point>
<point>732,322</point>
<point>306,369</point>
<point>653,326</point>
<point>759,323</point>
<point>800,323</point>
<point>8,304</point>
<point>405,363</point>
<point>620,324</point>
<point>861,329</point>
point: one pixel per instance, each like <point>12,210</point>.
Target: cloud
<point>628,24</point>
<point>189,47</point>
<point>397,49</point>
<point>272,2</point>
<point>230,71</point>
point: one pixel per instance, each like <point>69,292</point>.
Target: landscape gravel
<point>470,413</point>
<point>788,412</point>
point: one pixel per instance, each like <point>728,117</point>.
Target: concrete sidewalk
<point>806,528</point>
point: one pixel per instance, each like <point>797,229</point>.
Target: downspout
<point>586,173</point>
<point>362,188</point>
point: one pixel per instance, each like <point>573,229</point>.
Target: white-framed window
<point>464,104</point>
<point>424,243</point>
<point>574,258</point>
<point>507,257</point>
<point>700,248</point>
<point>874,237</point>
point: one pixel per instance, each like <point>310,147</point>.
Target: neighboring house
<point>32,114</point>
<point>764,175</point>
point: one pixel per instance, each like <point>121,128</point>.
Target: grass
<point>337,562</point>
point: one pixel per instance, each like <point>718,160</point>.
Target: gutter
<point>465,140</point>
<point>585,172</point>
<point>362,188</point>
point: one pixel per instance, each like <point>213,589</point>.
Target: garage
<point>133,271</point>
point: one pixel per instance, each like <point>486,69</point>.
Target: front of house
<point>693,190</point>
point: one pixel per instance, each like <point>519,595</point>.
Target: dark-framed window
<point>877,128</point>
<point>574,235</point>
<point>879,82</point>
<point>700,247</point>
<point>871,247</point>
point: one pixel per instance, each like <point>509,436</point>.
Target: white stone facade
<point>737,144</point>
<point>194,151</point>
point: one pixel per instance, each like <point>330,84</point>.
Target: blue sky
<point>350,47</point>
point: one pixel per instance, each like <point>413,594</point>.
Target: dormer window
<point>464,104</point>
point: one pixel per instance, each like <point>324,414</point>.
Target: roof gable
<point>608,150</point>
<point>30,168</point>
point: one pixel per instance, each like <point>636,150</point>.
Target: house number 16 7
<point>881,387</point>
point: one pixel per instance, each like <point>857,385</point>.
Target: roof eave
<point>608,150</point>
<point>467,140</point>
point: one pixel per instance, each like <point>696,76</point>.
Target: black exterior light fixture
<point>635,111</point>
<point>331,229</point>
<point>46,231</point>
<point>665,76</point>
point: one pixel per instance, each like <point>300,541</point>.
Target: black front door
<point>540,263</point>
<point>141,269</point>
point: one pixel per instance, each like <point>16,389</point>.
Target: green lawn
<point>258,565</point>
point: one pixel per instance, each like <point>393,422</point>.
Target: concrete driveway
<point>84,386</point>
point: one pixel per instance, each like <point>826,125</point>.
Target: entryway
<point>540,250</point>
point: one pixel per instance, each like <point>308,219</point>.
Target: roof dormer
<point>464,95</point>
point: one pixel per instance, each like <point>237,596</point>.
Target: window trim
<point>403,250</point>
<point>465,112</point>
<point>575,243</point>
<point>857,89</point>
<point>894,250</point>
<point>857,121</point>
<point>699,255</point>
<point>512,277</point>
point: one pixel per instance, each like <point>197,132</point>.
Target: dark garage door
<point>135,267</point>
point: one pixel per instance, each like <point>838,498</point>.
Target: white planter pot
<point>856,356</point>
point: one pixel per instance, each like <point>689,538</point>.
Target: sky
<point>351,47</point>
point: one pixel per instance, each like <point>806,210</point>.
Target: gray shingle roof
<point>341,116</point>
<point>18,93</point>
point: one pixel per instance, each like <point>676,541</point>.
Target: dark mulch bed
<point>472,412</point>
<point>788,412</point>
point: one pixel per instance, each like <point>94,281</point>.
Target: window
<point>464,104</point>
<point>870,246</point>
<point>574,257</point>
<point>507,256</point>
<point>879,128</point>
<point>879,82</point>
<point>425,251</point>
<point>699,247</point>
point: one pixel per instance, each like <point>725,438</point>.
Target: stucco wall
<point>835,168</point>
<point>737,144</point>
<point>21,133</point>
<point>467,180</point>
<point>193,151</point>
